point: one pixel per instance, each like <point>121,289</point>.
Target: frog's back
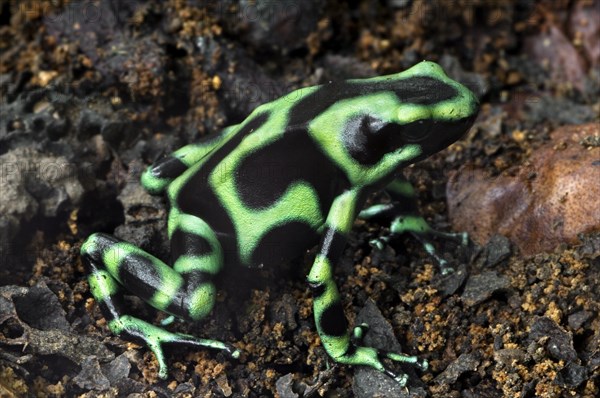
<point>265,192</point>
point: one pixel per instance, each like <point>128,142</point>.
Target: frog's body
<point>295,173</point>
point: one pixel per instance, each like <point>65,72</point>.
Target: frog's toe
<point>379,243</point>
<point>234,352</point>
<point>464,238</point>
<point>156,347</point>
<point>191,341</point>
<point>445,269</point>
<point>401,378</point>
<point>422,364</point>
<point>358,333</point>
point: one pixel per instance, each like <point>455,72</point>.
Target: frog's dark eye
<point>416,131</point>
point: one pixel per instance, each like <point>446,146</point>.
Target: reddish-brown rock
<point>551,198</point>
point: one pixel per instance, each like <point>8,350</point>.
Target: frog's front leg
<point>185,291</point>
<point>328,310</point>
<point>157,177</point>
<point>405,216</point>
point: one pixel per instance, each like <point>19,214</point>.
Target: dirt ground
<point>92,92</point>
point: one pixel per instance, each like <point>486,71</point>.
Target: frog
<point>294,175</point>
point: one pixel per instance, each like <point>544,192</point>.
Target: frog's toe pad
<point>379,243</point>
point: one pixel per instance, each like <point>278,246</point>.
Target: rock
<point>117,369</point>
<point>585,26</point>
<point>39,308</point>
<point>507,357</point>
<point>554,51</point>
<point>559,343</point>
<point>577,319</point>
<point>572,375</point>
<point>498,249</point>
<point>21,305</point>
<point>449,284</point>
<point>91,377</point>
<point>284,386</point>
<point>32,184</point>
<point>550,200</point>
<point>481,287</point>
<point>279,26</point>
<point>466,362</point>
<point>285,311</point>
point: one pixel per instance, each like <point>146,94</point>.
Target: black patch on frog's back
<point>265,174</point>
<point>192,192</point>
<point>283,243</point>
<point>421,90</point>
<point>197,198</point>
<point>333,321</point>
<point>186,243</point>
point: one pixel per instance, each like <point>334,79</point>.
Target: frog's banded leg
<point>158,176</point>
<point>328,310</point>
<point>115,264</point>
<point>405,216</point>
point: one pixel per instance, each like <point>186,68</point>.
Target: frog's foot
<point>155,337</point>
<point>427,244</point>
<point>418,227</point>
<point>168,320</point>
<point>358,335</point>
<point>369,356</point>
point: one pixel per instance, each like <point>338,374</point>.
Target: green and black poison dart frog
<point>329,146</point>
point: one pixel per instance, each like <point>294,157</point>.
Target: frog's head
<point>435,111</point>
<point>373,127</point>
<point>411,115</point>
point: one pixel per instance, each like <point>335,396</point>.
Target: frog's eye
<point>415,132</point>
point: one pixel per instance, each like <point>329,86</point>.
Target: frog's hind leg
<point>114,264</point>
<point>158,176</point>
<point>405,216</point>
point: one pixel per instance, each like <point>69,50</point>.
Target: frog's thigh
<point>198,257</point>
<point>114,263</point>
<point>182,291</point>
<point>137,271</point>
